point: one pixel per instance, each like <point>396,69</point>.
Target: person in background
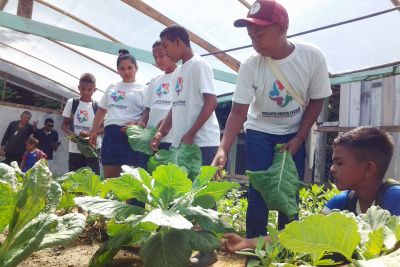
<point>13,143</point>
<point>192,118</point>
<point>78,117</point>
<point>121,105</point>
<point>158,94</point>
<point>360,158</point>
<point>48,140</point>
<point>32,154</point>
<point>270,113</point>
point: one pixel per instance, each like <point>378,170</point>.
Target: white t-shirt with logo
<point>272,109</point>
<point>158,97</point>
<point>83,121</point>
<point>191,80</point>
<point>124,103</point>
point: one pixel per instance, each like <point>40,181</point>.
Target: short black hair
<point>123,55</point>
<point>174,32</point>
<point>48,120</point>
<point>369,144</point>
<point>87,78</point>
<point>156,43</point>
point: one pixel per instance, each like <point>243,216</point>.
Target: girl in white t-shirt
<point>121,104</point>
<point>158,95</point>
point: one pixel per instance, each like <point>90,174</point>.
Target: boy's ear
<point>371,169</point>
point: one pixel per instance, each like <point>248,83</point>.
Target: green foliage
<point>233,210</point>
<point>279,184</point>
<point>28,212</point>
<point>139,138</point>
<point>83,145</point>
<point>168,218</point>
<point>314,197</point>
<point>336,233</point>
<point>187,156</point>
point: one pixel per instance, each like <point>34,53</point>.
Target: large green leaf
<point>8,176</point>
<point>53,197</point>
<point>68,228</point>
<point>83,145</point>
<point>167,218</point>
<point>391,260</point>
<point>204,241</point>
<point>376,226</point>
<point>206,174</point>
<point>279,184</point>
<point>208,219</point>
<point>109,249</point>
<point>213,192</point>
<point>127,187</point>
<point>33,196</point>
<point>8,199</point>
<point>108,208</point>
<point>140,138</point>
<point>170,183</point>
<point>170,248</point>
<point>188,156</point>
<point>319,234</point>
<point>19,246</point>
<point>83,181</point>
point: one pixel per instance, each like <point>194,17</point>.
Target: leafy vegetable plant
<point>139,138</point>
<point>83,145</point>
<point>27,210</point>
<point>187,156</point>
<point>279,184</point>
<point>165,227</point>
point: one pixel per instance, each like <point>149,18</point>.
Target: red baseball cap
<point>264,13</point>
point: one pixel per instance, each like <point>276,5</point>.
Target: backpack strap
<point>382,190</point>
<point>94,106</point>
<point>351,201</point>
<point>75,104</point>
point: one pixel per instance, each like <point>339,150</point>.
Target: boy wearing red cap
<point>277,111</point>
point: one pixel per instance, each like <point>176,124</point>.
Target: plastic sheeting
<point>367,43</point>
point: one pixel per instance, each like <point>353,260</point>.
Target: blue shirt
<point>390,200</point>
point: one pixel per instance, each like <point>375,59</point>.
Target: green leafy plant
<point>314,197</point>
<point>279,184</point>
<point>83,145</point>
<point>139,138</point>
<point>233,208</point>
<point>187,156</point>
<point>165,226</point>
<point>28,211</point>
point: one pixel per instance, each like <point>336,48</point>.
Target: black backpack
<point>75,104</point>
<point>351,201</point>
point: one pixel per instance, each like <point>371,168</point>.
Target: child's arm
<point>66,126</point>
<point>162,131</point>
<point>210,104</point>
<point>96,128</point>
<point>144,118</point>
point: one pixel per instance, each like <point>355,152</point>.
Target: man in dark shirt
<point>48,138</point>
<point>13,143</point>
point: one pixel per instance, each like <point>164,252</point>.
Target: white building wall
<point>60,157</point>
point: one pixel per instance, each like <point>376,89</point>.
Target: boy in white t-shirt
<point>273,115</point>
<point>157,97</point>
<point>192,116</point>
<point>78,120</point>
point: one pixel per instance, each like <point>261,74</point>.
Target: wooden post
<point>4,87</point>
<point>320,148</point>
<point>25,8</point>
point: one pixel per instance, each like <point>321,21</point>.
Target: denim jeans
<point>260,153</point>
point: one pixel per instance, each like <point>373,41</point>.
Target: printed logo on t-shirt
<point>279,94</point>
<point>82,116</point>
<point>179,85</point>
<point>163,89</point>
<point>117,95</point>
